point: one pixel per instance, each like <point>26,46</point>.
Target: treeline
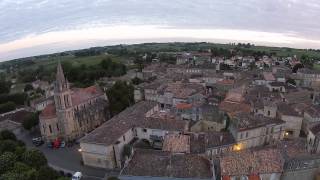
<point>4,85</point>
<point>89,52</point>
<point>83,76</point>
<point>9,102</point>
<point>17,162</point>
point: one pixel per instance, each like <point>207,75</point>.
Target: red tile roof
<point>233,108</point>
<point>249,162</point>
<point>184,106</point>
<point>82,95</point>
<point>49,111</point>
<point>226,82</point>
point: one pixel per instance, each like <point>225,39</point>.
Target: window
<point>240,135</point>
<point>124,138</point>
<point>50,129</point>
<point>144,130</point>
<point>57,127</point>
<point>247,134</point>
<point>269,113</point>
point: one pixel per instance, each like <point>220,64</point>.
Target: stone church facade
<point>74,112</point>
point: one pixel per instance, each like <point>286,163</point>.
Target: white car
<point>77,176</point>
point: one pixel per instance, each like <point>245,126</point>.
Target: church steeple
<point>60,75</point>
<point>62,92</point>
<point>61,82</point>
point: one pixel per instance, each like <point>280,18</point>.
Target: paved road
<point>66,159</point>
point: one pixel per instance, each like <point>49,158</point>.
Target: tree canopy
<point>120,96</point>
<point>16,162</point>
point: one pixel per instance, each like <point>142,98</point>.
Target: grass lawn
<point>316,67</point>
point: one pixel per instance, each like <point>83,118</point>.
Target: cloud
<point>23,19</point>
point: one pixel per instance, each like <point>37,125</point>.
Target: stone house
<point>311,117</point>
<point>292,118</point>
<point>313,139</point>
<point>277,86</point>
<point>255,130</point>
<point>40,103</point>
<point>103,146</point>
<point>308,78</point>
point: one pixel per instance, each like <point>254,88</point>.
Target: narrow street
<point>66,159</point>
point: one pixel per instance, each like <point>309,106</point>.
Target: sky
<point>35,27</point>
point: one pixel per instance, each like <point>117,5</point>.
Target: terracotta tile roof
<point>268,76</point>
<point>233,108</point>
<point>244,121</point>
<point>292,148</point>
<point>313,111</point>
<point>184,90</point>
<point>285,109</point>
<point>216,139</point>
<point>250,162</point>
<point>164,164</point>
<point>120,124</point>
<point>226,82</point>
<point>300,96</point>
<point>184,106</point>
<point>49,112</point>
<point>82,95</point>
<point>176,143</point>
<point>200,142</point>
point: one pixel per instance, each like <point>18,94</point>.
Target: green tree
<point>28,87</point>
<point>127,150</point>
<point>8,146</point>
<point>30,121</point>
<point>113,178</point>
<point>6,134</point>
<point>7,160</point>
<point>4,85</point>
<point>8,106</point>
<point>12,176</point>
<point>47,173</point>
<point>26,172</point>
<point>120,96</point>
<point>34,158</point>
<point>63,178</point>
<point>306,60</point>
<point>136,81</point>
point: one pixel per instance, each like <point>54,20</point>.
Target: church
<point>74,112</point>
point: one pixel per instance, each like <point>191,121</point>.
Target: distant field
<point>76,61</point>
<point>49,61</point>
<point>316,67</point>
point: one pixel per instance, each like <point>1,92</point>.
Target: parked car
<point>37,141</point>
<point>62,144</point>
<point>77,176</point>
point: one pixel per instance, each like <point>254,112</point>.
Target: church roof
<point>82,95</point>
<point>49,111</point>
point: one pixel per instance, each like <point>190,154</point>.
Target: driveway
<point>67,159</point>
